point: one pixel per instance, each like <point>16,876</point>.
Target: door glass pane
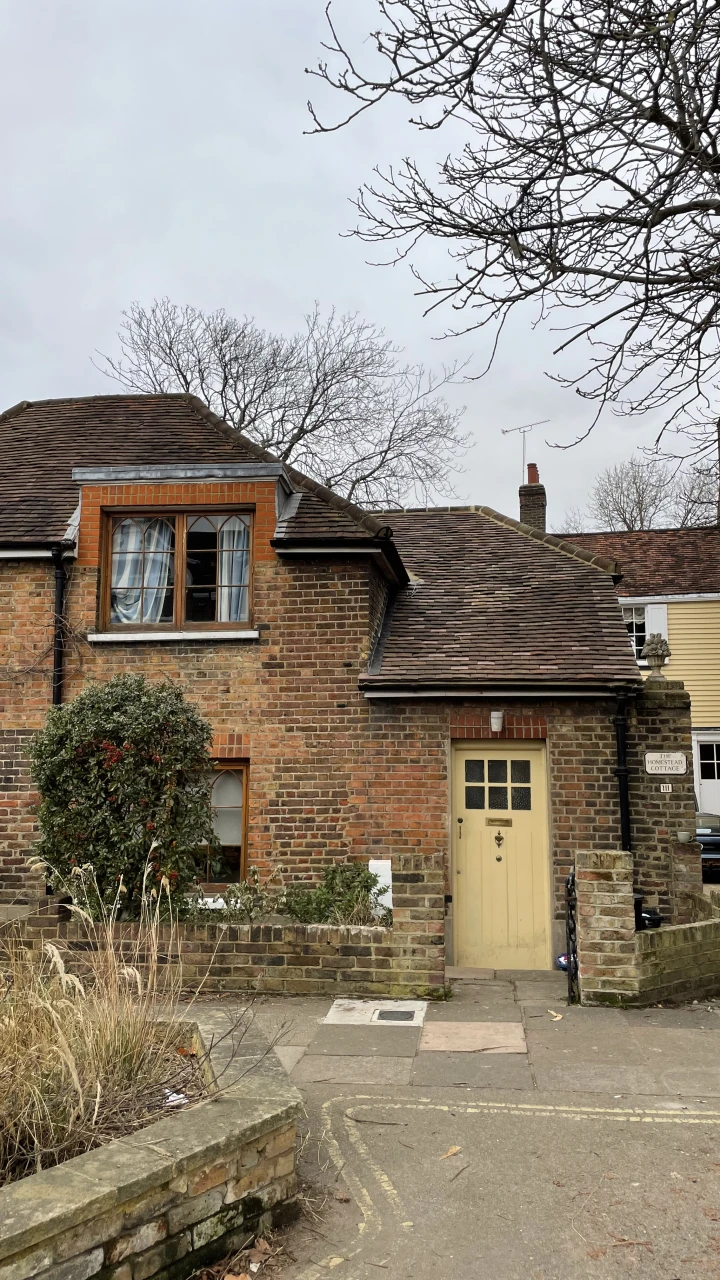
<point>519,770</point>
<point>707,750</point>
<point>497,771</point>
<point>497,796</point>
<point>707,769</point>
<point>520,797</point>
<point>474,770</point>
<point>474,797</point>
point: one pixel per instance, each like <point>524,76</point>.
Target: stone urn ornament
<point>655,652</point>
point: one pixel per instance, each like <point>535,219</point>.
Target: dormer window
<point>181,570</point>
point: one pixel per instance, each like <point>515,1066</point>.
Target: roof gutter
<point>36,553</point>
<point>403,692</point>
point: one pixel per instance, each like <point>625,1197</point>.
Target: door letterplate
<point>498,822</point>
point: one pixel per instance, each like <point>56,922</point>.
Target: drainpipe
<point>621,772</point>
<point>56,552</point>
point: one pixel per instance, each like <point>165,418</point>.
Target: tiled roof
<point>493,602</point>
<point>660,562</point>
<point>42,441</point>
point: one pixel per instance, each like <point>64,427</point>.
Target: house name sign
<point>665,762</point>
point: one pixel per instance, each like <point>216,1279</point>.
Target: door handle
<point>460,822</point>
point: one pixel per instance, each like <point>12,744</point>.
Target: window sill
<point>167,637</point>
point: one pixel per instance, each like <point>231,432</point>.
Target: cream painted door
<point>501,872</point>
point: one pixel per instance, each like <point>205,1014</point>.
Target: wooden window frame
<point>180,514</point>
<point>242,767</point>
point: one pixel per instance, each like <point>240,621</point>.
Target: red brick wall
<point>331,774</point>
<point>26,636</point>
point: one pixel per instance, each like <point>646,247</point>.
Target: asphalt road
<point>592,1151</point>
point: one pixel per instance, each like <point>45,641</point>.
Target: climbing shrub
<point>124,779</point>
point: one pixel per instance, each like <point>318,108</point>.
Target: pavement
<point>502,1134</point>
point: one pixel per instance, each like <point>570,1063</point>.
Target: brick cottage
<point>449,689</point>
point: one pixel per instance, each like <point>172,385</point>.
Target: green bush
<point>347,894</point>
<point>124,779</point>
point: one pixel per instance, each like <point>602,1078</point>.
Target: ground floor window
<point>223,861</point>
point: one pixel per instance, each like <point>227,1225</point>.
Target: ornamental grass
<point>90,1055</point>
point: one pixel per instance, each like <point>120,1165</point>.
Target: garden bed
<point>173,1196</point>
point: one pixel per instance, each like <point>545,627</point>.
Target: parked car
<point>707,831</point>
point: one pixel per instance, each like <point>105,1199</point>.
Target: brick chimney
<point>533,502</point>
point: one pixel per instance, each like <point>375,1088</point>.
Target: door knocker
<point>499,839</point>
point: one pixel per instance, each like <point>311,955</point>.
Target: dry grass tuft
<point>85,1059</point>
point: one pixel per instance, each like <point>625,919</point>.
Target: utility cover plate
<point>363,1012</point>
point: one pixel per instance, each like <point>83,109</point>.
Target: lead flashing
<point>208,471</point>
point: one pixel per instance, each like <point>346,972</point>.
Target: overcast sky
<point>155,147</point>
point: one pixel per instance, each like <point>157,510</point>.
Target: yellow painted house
<point>671,584</point>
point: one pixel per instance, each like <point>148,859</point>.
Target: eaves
<point>382,550</point>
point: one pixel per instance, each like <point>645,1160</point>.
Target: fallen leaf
<point>451,1151</point>
<point>262,1246</point>
<point>556,1017</point>
<point>597,1252</point>
<point>232,1275</point>
<point>340,1195</point>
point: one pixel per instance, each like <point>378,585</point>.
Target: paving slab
<point>473,1037</point>
<point>552,988</point>
<point>316,1069</point>
<point>374,1040</point>
<point>588,1077</point>
<point>693,1017</point>
<point>290,1055</point>
<point>473,1070</point>
<point>677,1047</point>
<point>362,1012</point>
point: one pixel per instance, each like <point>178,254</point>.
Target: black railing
<point>571,939</point>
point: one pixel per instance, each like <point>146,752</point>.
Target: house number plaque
<point>665,762</point>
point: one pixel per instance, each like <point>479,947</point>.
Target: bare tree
<point>336,400</point>
<point>646,494</point>
<point>586,179</point>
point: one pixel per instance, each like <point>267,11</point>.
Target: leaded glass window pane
<point>520,797</point>
<point>497,770</point>
<point>497,797</point>
<point>474,770</point>
<point>142,570</point>
<point>474,797</point>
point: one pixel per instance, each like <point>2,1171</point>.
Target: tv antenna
<point>523,431</point>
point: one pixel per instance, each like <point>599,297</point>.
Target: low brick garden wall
<point>296,959</point>
<point>618,966</point>
<point>169,1198</point>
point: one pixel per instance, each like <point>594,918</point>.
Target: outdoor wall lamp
<point>496,721</point>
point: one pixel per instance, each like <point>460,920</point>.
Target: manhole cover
<point>395,1015</point>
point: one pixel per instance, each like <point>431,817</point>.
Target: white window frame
<point>698,736</point>
<point>656,618</point>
